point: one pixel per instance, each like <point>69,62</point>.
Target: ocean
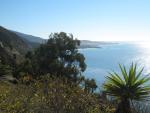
<point>102,60</point>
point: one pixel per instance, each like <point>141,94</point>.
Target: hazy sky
<point>106,20</point>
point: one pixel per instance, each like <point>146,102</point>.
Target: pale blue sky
<point>106,20</point>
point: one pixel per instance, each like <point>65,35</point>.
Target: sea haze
<point>102,60</point>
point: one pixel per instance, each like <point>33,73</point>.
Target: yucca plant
<point>127,86</point>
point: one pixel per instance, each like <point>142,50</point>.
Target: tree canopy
<point>59,56</point>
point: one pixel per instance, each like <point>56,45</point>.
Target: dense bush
<point>47,95</point>
<point>59,53</point>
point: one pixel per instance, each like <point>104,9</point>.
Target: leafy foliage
<point>59,56</point>
<point>47,95</point>
<point>5,69</point>
<point>90,85</point>
<point>127,87</point>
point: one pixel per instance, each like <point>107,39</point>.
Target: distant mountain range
<point>11,45</point>
<point>31,38</point>
<point>34,41</point>
<point>16,43</point>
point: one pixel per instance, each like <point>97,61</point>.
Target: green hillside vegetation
<point>49,79</point>
<point>49,95</point>
<point>12,41</point>
<point>32,41</point>
<point>12,47</point>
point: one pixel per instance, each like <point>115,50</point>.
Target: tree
<point>5,69</point>
<point>127,87</point>
<point>59,56</point>
<point>90,85</point>
<point>26,67</point>
<point>93,85</point>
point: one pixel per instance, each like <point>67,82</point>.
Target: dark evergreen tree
<point>59,57</point>
<point>90,85</point>
<point>5,69</point>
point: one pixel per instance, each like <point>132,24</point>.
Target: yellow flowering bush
<point>47,95</point>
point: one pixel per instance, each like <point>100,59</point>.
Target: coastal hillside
<point>11,46</point>
<point>16,44</point>
<point>35,41</point>
<point>12,41</point>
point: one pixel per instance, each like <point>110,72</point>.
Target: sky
<point>99,20</point>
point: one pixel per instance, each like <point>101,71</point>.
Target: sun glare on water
<point>144,45</point>
<point>144,48</point>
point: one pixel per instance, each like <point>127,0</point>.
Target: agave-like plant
<point>127,86</point>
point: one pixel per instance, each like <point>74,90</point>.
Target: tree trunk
<point>124,106</point>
